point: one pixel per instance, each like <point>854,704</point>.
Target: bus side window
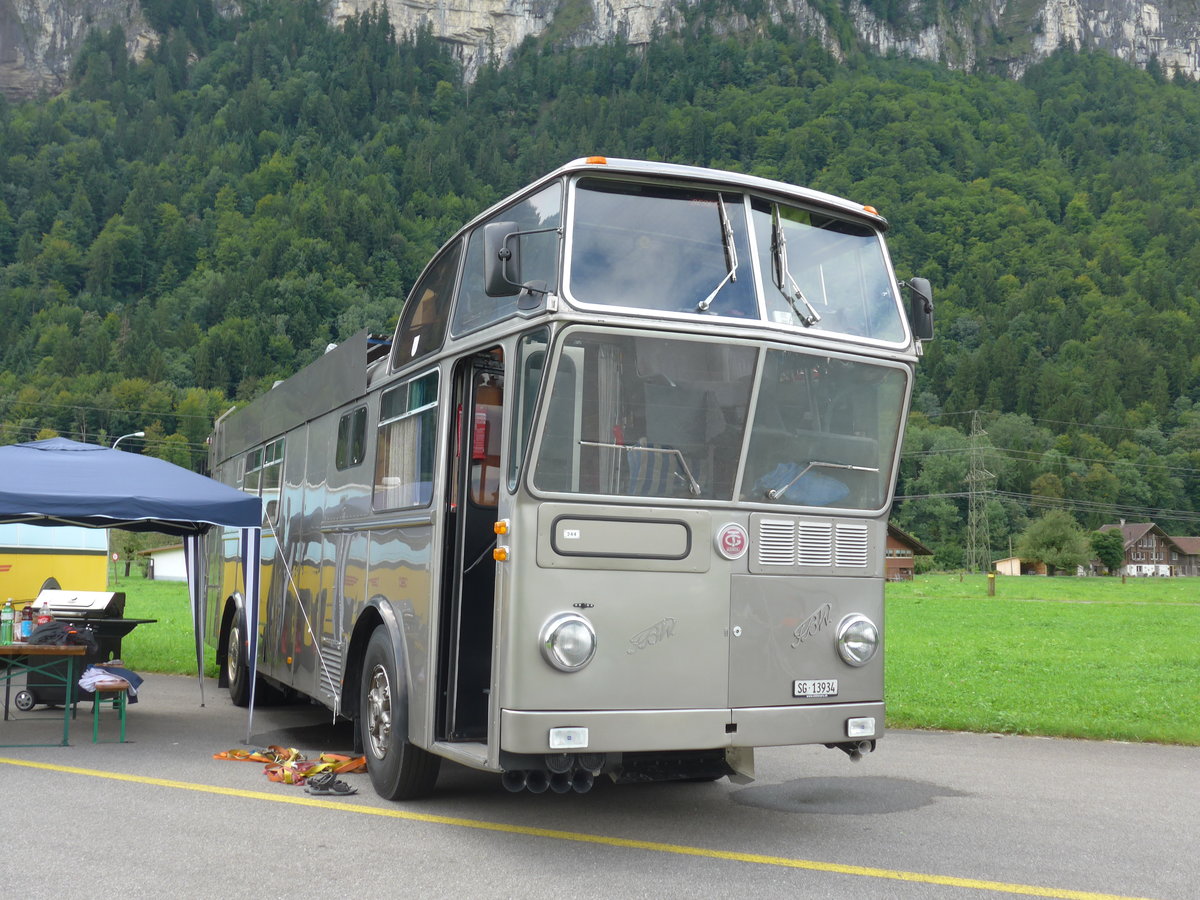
<point>423,321</point>
<point>536,217</point>
<point>351,439</point>
<point>405,444</point>
<point>531,364</point>
<point>485,439</point>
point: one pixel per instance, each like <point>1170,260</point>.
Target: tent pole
<point>191,554</point>
<point>251,561</point>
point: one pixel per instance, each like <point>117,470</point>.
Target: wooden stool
<point>115,691</point>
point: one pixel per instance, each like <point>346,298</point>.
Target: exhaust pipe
<point>537,780</point>
<point>513,780</point>
<point>558,762</point>
<point>593,762</point>
<point>582,781</point>
<point>856,749</point>
<point>560,782</point>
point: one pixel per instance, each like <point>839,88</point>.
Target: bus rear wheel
<point>398,770</point>
<point>236,669</point>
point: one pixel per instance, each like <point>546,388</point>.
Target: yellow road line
<point>581,837</point>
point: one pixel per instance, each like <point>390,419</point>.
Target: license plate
<point>814,689</point>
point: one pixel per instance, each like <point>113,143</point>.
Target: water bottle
<point>7,616</point>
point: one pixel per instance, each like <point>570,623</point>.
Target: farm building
<point>1150,551</point>
<point>165,563</point>
<point>900,553</point>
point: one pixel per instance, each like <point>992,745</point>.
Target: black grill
<point>100,611</point>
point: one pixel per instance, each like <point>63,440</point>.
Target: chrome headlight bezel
<point>857,640</point>
<point>561,657</point>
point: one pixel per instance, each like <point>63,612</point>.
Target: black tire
<point>236,669</point>
<point>398,770</point>
<point>237,672</point>
<point>24,701</point>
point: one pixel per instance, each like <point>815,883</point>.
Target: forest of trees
<point>176,234</point>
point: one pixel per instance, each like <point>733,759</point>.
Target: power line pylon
<point>979,485</point>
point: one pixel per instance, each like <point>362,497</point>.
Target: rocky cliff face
<point>1001,36</point>
<point>38,38</point>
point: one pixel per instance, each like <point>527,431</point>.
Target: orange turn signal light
<point>500,554</point>
<point>597,160</point>
<point>500,527</point>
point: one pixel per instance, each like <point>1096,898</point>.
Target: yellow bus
<point>32,555</point>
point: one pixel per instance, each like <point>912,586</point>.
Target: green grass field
<point>1071,657</point>
<point>167,646</point>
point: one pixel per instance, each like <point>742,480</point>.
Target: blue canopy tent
<point>64,482</point>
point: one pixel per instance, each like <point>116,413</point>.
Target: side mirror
<point>501,259</point>
<point>920,308</point>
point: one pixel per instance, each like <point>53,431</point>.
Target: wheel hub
<point>233,654</point>
<point>379,713</point>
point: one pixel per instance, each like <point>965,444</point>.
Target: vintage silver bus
<point>611,502</point>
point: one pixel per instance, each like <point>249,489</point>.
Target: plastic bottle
<point>44,616</point>
<point>7,617</point>
<point>25,626</point>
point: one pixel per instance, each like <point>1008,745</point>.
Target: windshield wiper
<point>783,275</point>
<point>731,260</point>
<point>693,485</point>
<point>776,493</point>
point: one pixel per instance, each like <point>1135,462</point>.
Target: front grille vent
<point>815,544</point>
<point>852,545</point>
<point>784,546</point>
<point>777,542</point>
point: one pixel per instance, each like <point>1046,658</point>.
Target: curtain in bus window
<point>406,444</point>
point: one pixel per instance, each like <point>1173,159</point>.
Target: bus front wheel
<point>398,770</point>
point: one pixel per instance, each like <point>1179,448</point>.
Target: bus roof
<point>737,179</point>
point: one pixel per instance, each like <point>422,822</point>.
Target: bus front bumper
<point>637,730</point>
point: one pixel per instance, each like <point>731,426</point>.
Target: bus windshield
<point>688,250</point>
<point>651,246</point>
<point>639,415</point>
<point>824,273</point>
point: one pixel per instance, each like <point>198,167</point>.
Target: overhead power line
<point>1116,509</point>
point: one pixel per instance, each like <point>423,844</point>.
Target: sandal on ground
<point>328,784</point>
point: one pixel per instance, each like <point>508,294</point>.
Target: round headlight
<point>857,640</point>
<point>568,641</point>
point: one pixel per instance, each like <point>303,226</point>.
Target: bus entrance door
<point>468,595</point>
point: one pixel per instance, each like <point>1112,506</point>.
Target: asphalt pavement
<point>938,815</point>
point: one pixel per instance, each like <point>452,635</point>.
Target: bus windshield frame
<point>648,416</point>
